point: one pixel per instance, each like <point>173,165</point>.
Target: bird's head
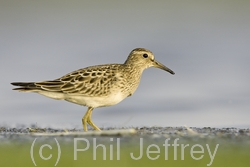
<point>143,58</point>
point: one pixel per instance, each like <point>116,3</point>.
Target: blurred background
<point>206,43</point>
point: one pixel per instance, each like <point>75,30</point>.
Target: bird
<point>99,85</point>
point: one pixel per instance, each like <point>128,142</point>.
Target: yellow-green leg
<point>87,120</point>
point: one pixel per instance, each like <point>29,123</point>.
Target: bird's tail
<point>26,86</point>
<point>51,86</point>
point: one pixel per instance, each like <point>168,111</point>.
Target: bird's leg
<point>90,121</point>
<point>85,119</point>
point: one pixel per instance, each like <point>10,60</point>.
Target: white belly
<point>96,101</point>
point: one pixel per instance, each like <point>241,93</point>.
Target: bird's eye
<point>145,55</point>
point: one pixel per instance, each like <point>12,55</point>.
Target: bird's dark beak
<point>157,64</point>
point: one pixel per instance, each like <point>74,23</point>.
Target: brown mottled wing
<point>90,81</point>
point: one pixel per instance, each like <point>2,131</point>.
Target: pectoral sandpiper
<point>97,86</point>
